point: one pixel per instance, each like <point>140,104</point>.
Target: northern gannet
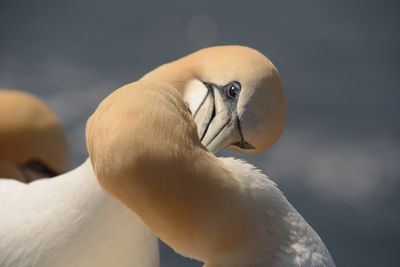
<point>70,221</point>
<point>32,141</point>
<point>221,211</point>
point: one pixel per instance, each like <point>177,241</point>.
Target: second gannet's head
<point>32,140</point>
<point>235,96</point>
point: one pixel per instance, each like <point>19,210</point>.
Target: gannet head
<point>31,137</point>
<point>235,96</point>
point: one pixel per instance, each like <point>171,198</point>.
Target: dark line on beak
<point>202,102</point>
<point>212,115</point>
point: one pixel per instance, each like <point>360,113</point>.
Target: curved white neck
<point>281,236</point>
<point>224,212</point>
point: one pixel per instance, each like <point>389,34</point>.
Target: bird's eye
<point>232,90</point>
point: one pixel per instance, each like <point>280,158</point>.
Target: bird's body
<point>69,221</point>
<point>220,211</point>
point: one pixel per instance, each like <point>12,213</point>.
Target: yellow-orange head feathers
<point>235,95</point>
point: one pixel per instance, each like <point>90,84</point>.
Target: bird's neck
<point>299,245</point>
<point>288,239</point>
<point>213,212</point>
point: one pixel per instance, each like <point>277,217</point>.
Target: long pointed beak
<point>218,125</point>
<point>205,114</point>
<point>213,117</point>
<point>218,133</point>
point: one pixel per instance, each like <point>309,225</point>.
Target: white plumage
<point>293,242</point>
<point>69,221</point>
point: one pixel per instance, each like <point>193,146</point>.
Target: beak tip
<point>245,145</point>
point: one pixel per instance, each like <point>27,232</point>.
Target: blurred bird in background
<point>33,144</point>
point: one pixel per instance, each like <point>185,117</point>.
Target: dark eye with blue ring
<point>232,90</point>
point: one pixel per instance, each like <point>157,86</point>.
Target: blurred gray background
<point>338,160</point>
